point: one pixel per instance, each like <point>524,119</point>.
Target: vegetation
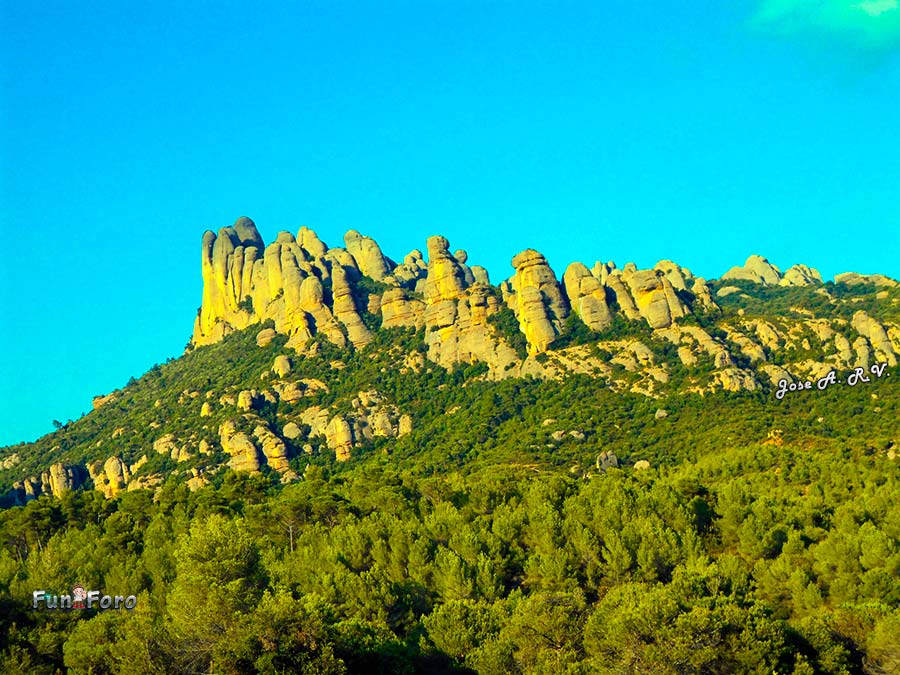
<point>762,559</point>
<point>507,325</point>
<point>497,537</point>
<point>828,300</point>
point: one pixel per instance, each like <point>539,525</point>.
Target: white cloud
<point>872,24</point>
<point>877,7</point>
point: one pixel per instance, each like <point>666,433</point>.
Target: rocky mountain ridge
<point>308,289</point>
<point>300,311</point>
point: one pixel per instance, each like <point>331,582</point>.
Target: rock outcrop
<point>877,337</point>
<point>758,270</point>
<point>372,417</point>
<point>587,296</point>
<point>245,282</point>
<point>339,437</point>
<point>111,477</point>
<point>855,279</point>
<point>248,451</point>
<point>399,308</point>
<point>245,456</point>
<point>62,478</point>
<point>368,256</point>
<point>655,297</point>
<point>282,366</point>
<point>307,289</point>
<point>801,275</point>
<point>272,447</point>
<point>537,300</point>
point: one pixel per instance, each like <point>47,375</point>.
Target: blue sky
<point>699,132</point>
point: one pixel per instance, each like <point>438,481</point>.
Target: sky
<point>699,132</point>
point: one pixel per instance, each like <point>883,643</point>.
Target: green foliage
<point>362,289</point>
<point>827,301</point>
<point>622,328</point>
<point>740,558</point>
<point>246,304</point>
<point>487,540</point>
<point>507,326</point>
<point>574,332</point>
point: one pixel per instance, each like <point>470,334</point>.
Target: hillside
<point>401,467</point>
<point>302,352</point>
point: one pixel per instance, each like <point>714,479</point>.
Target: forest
<point>481,551</point>
<point>524,526</point>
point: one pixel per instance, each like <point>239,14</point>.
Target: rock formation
<point>758,270</point>
<point>245,456</point>
<point>801,275</point>
<point>537,300</point>
<point>854,279</point>
<point>307,289</point>
<point>111,477</point>
<point>587,296</point>
<point>877,336</point>
<point>368,256</point>
<point>655,297</point>
<point>282,366</point>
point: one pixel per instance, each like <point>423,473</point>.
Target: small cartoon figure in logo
<point>78,595</point>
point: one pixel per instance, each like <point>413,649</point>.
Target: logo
<point>81,599</point>
<point>79,595</point>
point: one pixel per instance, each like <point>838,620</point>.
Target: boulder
<point>339,437</point>
<point>380,422</point>
<point>244,453</point>
<point>282,365</point>
<point>607,460</point>
<point>248,399</point>
<point>165,445</point>
<point>196,481</point>
<point>272,447</point>
<point>404,426</point>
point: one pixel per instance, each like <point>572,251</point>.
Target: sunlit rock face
<point>345,294</point>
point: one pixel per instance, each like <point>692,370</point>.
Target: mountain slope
<point>302,353</point>
<point>366,470</point>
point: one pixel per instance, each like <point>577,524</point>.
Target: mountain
<point>366,466</point>
<point>283,327</point>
